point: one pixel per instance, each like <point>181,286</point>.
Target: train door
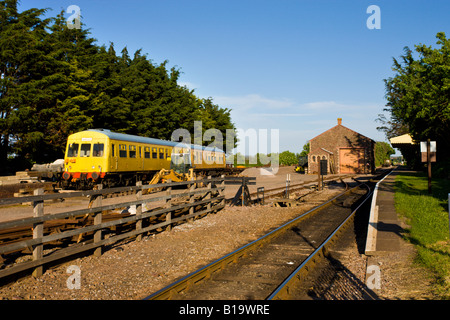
<point>122,158</point>
<point>141,158</point>
<point>114,159</point>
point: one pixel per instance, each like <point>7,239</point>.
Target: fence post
<point>208,195</point>
<point>192,187</point>
<point>222,191</point>
<point>168,205</point>
<point>38,231</point>
<point>139,210</point>
<point>98,220</point>
<point>244,185</point>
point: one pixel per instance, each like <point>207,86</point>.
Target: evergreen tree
<point>419,95</point>
<point>55,81</point>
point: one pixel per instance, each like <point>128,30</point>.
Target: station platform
<point>383,233</point>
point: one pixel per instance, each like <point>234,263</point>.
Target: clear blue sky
<point>290,65</point>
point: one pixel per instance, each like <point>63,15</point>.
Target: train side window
<point>167,153</point>
<point>132,150</point>
<point>85,150</point>
<point>113,150</point>
<point>161,153</point>
<point>147,152</point>
<point>98,150</point>
<point>122,150</point>
<point>140,152</point>
<point>73,150</point>
<point>155,153</point>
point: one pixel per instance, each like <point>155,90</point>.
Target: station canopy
<point>401,141</point>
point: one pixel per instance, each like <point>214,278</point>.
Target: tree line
<point>418,99</point>
<point>55,81</point>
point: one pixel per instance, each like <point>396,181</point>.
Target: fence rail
<point>199,200</point>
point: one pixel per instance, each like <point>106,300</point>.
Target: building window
<point>122,150</point>
<point>73,150</point>
<point>132,151</point>
<point>85,150</point>
<point>313,158</point>
<point>98,149</point>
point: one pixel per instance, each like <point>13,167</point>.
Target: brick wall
<point>334,139</point>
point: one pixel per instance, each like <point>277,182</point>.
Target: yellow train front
<point>117,159</point>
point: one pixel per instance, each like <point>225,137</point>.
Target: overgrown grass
<point>427,215</point>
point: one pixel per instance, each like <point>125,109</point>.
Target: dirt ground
<point>264,179</point>
<point>133,270</point>
<point>346,277</point>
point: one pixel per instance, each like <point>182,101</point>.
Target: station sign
<point>423,151</point>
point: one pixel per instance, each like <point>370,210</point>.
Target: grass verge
<point>427,216</point>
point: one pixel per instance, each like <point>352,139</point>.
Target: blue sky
<point>295,66</point>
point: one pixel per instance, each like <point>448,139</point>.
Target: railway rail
<point>280,192</point>
<point>271,266</point>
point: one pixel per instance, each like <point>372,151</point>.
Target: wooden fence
<point>203,197</point>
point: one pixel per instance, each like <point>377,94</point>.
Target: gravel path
<point>133,270</point>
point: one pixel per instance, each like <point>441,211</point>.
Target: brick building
<point>345,150</point>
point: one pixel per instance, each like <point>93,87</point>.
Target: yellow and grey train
<point>117,159</point>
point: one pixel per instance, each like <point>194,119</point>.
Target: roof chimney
<point>339,121</point>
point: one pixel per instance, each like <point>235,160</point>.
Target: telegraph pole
<point>429,165</point>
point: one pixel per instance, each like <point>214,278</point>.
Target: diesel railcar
<point>117,159</point>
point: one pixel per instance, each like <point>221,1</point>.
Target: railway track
<point>269,267</point>
<point>281,191</point>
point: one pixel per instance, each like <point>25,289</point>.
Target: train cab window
<point>161,153</point>
<point>132,150</point>
<point>98,150</point>
<point>85,150</point>
<point>155,153</point>
<point>72,151</point>
<point>147,152</point>
<point>122,150</point>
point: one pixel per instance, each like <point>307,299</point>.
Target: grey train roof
<point>139,139</point>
